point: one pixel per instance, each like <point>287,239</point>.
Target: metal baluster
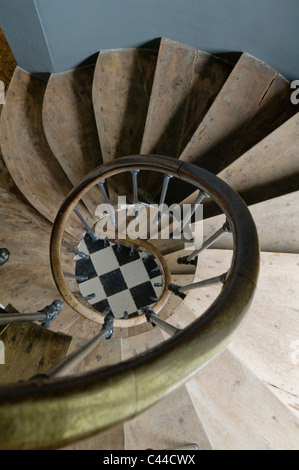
<point>87,297</point>
<point>135,191</point>
<point>4,256</point>
<point>71,361</point>
<point>191,258</point>
<point>152,318</point>
<point>85,224</point>
<point>167,178</point>
<point>78,278</point>
<point>45,316</point>
<point>101,185</point>
<point>75,250</point>
<point>202,195</point>
<point>180,290</point>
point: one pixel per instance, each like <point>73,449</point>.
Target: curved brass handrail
<point>52,413</point>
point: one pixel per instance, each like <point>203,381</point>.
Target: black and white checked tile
<point>123,281</point>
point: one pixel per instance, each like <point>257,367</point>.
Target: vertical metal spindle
<point>71,361</point>
<point>167,178</point>
<point>202,195</point>
<point>87,297</point>
<point>85,224</point>
<point>190,259</point>
<point>132,250</point>
<point>101,185</point>
<point>152,318</point>
<point>78,278</point>
<point>76,250</point>
<point>135,191</point>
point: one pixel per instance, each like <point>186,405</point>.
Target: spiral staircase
<point>234,120</point>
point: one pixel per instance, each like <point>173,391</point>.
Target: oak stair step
<point>30,350</point>
<point>238,411</point>
<point>70,127</point>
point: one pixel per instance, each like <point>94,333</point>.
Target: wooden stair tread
<point>245,415</point>
<point>108,352</point>
<point>70,127</point>
<point>121,90</point>
<point>30,350</point>
<point>29,160</point>
<point>225,132</point>
<point>276,221</point>
<point>143,342</point>
<point>269,169</point>
<point>186,83</point>
<point>278,283</point>
<point>264,343</point>
<point>24,232</point>
<point>33,289</point>
<point>171,423</point>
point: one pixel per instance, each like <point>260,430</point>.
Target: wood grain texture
<point>246,415</point>
<point>171,423</point>
<point>24,232</point>
<point>277,222</point>
<point>185,85</point>
<point>106,353</point>
<point>30,350</point>
<point>233,123</point>
<point>70,127</point>
<point>135,345</point>
<point>265,342</point>
<point>121,92</point>
<point>270,169</point>
<point>29,160</point>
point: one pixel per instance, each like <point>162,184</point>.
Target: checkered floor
<point>121,280</point>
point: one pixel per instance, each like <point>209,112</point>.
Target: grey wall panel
<point>72,30</point>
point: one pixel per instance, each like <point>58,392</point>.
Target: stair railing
<point>52,412</point>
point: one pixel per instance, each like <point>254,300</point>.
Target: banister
<point>54,412</point>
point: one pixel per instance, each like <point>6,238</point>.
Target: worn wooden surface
<point>186,83</point>
<point>24,232</point>
<point>70,127</point>
<point>218,139</point>
<point>29,159</point>
<point>121,92</point>
<point>277,222</point>
<point>267,338</point>
<point>30,350</point>
<point>106,353</point>
<point>270,168</point>
<point>264,344</point>
<point>171,423</point>
<point>238,411</point>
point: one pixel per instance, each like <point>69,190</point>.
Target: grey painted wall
<point>57,35</point>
